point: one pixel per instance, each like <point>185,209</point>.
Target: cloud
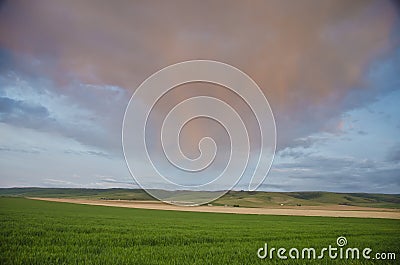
<point>59,182</point>
<point>89,114</point>
<point>116,181</point>
<point>67,69</point>
<point>22,113</point>
<point>394,154</point>
<point>21,150</point>
<point>307,65</point>
<point>361,132</point>
<point>88,152</point>
<point>346,174</point>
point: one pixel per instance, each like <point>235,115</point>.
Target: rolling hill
<point>232,198</point>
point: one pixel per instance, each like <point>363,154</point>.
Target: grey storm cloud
<point>335,173</point>
<point>19,112</point>
<point>310,67</point>
<point>394,154</point>
<point>85,113</point>
<point>68,68</point>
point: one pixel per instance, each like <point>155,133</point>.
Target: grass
<point>241,198</point>
<point>39,232</point>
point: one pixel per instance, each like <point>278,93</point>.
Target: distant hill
<point>237,198</point>
<point>114,194</point>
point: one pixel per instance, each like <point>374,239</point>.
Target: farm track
<point>328,211</point>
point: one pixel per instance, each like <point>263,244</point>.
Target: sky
<point>329,69</point>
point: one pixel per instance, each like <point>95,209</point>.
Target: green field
<point>239,198</point>
<point>39,232</point>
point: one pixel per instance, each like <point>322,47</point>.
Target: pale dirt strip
<point>329,211</point>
